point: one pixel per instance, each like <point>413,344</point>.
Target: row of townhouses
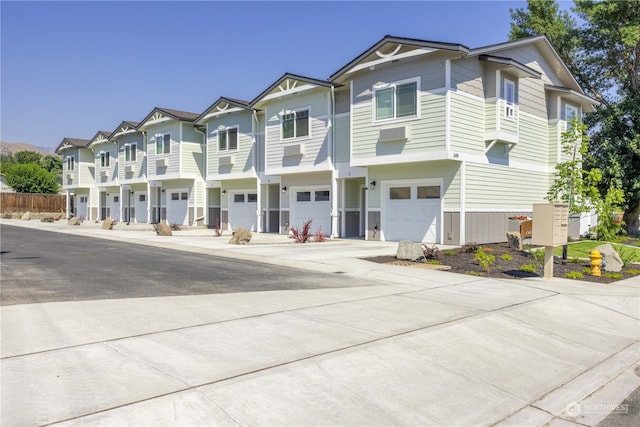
<point>413,139</point>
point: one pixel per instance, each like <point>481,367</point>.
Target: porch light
<point>284,190</point>
<point>224,192</point>
<point>372,184</point>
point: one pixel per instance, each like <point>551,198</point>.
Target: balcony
<point>502,123</point>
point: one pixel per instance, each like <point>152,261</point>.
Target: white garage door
<point>412,212</point>
<point>81,209</point>
<point>115,207</point>
<point>140,206</point>
<point>314,204</point>
<point>177,207</point>
<point>242,212</point>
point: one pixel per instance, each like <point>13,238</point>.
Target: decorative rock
<point>47,218</point>
<point>7,214</point>
<point>163,229</point>
<point>515,240</point>
<point>241,237</point>
<point>108,224</point>
<point>409,250</point>
<point>26,216</point>
<point>74,221</point>
<point>610,258</point>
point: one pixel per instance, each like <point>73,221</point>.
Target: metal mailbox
<point>550,224</point>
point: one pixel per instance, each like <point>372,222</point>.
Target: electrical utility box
<point>550,224</point>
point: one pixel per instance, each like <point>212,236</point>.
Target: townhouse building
<point>78,177</point>
<point>412,139</point>
<point>105,154</point>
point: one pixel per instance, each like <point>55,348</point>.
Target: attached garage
<point>314,204</point>
<point>177,206</point>
<point>412,211</point>
<point>243,207</point>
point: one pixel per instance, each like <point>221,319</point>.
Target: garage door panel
<point>413,213</point>
<point>243,211</point>
<point>313,204</point>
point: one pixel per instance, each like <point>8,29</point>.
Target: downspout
<point>204,179</point>
<point>256,131</point>
<point>334,182</point>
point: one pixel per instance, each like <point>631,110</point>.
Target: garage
<point>242,210</point>
<point>314,204</point>
<point>412,211</point>
<point>178,207</point>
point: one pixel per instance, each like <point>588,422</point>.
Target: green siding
<point>192,158</point>
<point>352,193</point>
<point>466,76</point>
<point>532,145</point>
<point>342,141</point>
<point>467,124</point>
<point>500,187</point>
<point>243,157</point>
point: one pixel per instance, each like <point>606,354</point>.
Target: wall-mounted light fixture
<point>224,192</point>
<point>284,189</point>
<point>372,184</point>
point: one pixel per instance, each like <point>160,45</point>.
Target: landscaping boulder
<point>108,224</point>
<point>7,214</point>
<point>27,216</point>
<point>47,218</point>
<point>74,221</point>
<point>241,237</point>
<point>409,250</point>
<point>163,229</point>
<point>515,240</point>
<point>610,258</point>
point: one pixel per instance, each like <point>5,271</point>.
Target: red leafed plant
<point>320,236</point>
<point>301,235</point>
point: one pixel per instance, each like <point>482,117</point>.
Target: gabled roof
<point>545,47</point>
<point>293,78</point>
<point>586,101</point>
<point>99,137</point>
<point>519,68</point>
<point>72,143</point>
<point>397,47</point>
<point>221,105</point>
<point>182,116</point>
<point>124,126</point>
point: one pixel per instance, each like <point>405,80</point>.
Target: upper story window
<point>228,139</point>
<point>570,112</point>
<point>163,143</point>
<point>105,159</point>
<point>396,100</point>
<point>509,97</point>
<point>130,152</point>
<point>71,163</point>
<point>295,124</point>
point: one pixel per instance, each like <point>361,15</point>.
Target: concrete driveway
<point>414,347</point>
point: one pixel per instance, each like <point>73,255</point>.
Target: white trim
<point>463,195</point>
<point>395,84</point>
<point>320,167</point>
<point>403,158</point>
<point>230,176</point>
<point>415,52</point>
<point>341,115</point>
<point>288,92</point>
<point>216,138</point>
<point>485,210</point>
<point>295,110</point>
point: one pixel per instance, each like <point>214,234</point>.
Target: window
<point>295,124</point>
<point>175,196</point>
<point>429,192</point>
<point>228,139</point>
<point>509,97</point>
<point>184,196</point>
<point>104,159</point>
<point>116,199</point>
<point>252,198</point>
<point>570,112</point>
<point>142,198</point>
<point>163,144</point>
<point>400,193</point>
<point>130,153</point>
<point>71,163</point>
<point>303,196</point>
<point>238,198</point>
<point>396,101</point>
<point>322,196</point>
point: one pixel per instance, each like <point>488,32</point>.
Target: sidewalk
<point>422,348</point>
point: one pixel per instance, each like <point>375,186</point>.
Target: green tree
<point>31,178</point>
<point>603,53</point>
<point>26,156</point>
<point>52,163</point>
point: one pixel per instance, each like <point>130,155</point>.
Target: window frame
<point>296,135</point>
<point>225,131</point>
<point>570,107</point>
<point>130,152</point>
<point>105,159</point>
<point>395,100</point>
<point>509,109</point>
<point>166,137</point>
<point>71,163</point>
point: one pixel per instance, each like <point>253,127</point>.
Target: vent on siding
<point>226,160</point>
<point>161,163</point>
<point>393,134</point>
<point>294,150</point>
<point>104,173</point>
<point>128,169</point>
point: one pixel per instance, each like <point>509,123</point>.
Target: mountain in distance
<point>14,147</point>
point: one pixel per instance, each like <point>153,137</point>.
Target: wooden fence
<point>27,202</point>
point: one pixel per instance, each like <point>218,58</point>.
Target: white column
<point>334,204</point>
<point>68,212</point>
<point>259,203</point>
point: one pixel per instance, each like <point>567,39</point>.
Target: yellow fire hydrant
<point>596,262</point>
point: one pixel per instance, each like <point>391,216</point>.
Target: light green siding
<point>243,157</point>
<point>86,168</point>
<point>500,187</point>
<point>449,171</point>
<point>467,124</point>
<point>139,165</point>
<point>352,193</point>
<point>192,158</point>
<point>172,127</point>
<point>532,145</point>
<point>342,141</point>
<point>466,76</point>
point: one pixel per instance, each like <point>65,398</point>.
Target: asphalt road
<point>40,266</point>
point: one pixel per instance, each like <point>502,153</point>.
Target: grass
<point>583,248</point>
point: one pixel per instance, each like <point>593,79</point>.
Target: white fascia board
<point>346,170</point>
<point>270,179</point>
<point>228,177</point>
<point>322,167</point>
<point>403,158</point>
<point>150,123</point>
<point>219,113</point>
<point>364,65</point>
<point>297,89</point>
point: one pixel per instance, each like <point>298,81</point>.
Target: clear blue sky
<point>70,69</point>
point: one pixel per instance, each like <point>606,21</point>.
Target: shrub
<point>573,275</point>
<point>615,276</point>
<point>469,247</point>
<point>302,235</point>
<point>627,255</point>
<point>319,236</point>
<point>538,255</point>
<point>473,273</point>
<point>575,260</point>
<point>175,227</point>
<point>217,231</point>
<point>450,252</point>
<point>528,268</point>
<point>433,262</point>
<point>586,271</point>
<point>486,261</point>
<point>431,252</point>
<point>633,271</point>
<point>486,249</point>
<point>506,257</point>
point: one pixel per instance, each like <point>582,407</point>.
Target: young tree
<point>31,178</point>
